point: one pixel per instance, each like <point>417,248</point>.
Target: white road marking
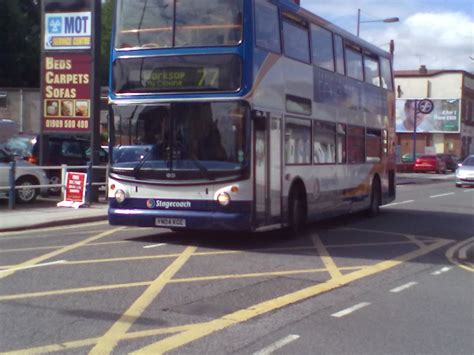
<point>349,310</point>
<point>440,271</point>
<point>403,287</point>
<point>441,195</point>
<point>463,251</point>
<point>34,266</point>
<point>277,345</point>
<point>397,203</point>
<point>154,246</point>
<point>470,190</point>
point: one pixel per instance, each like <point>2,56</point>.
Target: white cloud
<point>438,40</point>
<point>436,33</point>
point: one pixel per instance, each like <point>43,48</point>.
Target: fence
<point>12,187</point>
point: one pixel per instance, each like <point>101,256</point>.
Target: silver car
<point>26,175</point>
<point>465,172</point>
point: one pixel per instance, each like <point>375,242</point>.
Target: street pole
<point>358,22</point>
<point>414,130</point>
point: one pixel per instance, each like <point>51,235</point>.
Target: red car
<point>429,163</point>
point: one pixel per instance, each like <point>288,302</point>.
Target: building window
<point>297,141</point>
<point>3,99</point>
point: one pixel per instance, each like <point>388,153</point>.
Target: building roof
<point>424,72</point>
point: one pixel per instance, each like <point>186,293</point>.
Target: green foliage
<point>20,47</point>
<point>106,23</point>
<point>19,43</point>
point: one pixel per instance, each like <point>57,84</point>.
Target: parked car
<point>450,160</point>
<point>465,172</point>
<point>61,149</point>
<point>427,163</point>
<point>26,175</point>
<point>8,128</point>
<point>407,158</point>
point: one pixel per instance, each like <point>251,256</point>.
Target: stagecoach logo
<point>168,204</point>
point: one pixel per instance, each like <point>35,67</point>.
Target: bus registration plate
<point>170,222</point>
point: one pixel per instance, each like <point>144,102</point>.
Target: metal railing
<point>89,169</point>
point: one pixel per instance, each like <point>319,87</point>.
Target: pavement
<point>45,213</point>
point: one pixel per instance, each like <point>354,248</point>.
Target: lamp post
<point>385,20</point>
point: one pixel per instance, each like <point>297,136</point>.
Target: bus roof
<point>293,7</point>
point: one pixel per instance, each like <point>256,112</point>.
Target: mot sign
<point>75,195</point>
<point>64,31</point>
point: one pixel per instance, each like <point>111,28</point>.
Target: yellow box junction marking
<point>450,254</point>
<point>191,332</point>
<point>107,343</point>
<point>325,257</point>
<point>207,328</point>
<point>44,257</point>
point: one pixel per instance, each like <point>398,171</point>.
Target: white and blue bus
<point>245,115</point>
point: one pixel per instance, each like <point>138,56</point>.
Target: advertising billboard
<point>67,92</point>
<point>445,117</point>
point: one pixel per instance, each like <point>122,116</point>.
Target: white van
<point>8,128</point>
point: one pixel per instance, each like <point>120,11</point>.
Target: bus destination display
<point>178,79</point>
<point>177,74</point>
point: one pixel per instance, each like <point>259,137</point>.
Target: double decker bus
<point>245,115</point>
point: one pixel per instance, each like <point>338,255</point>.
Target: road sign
<point>425,106</point>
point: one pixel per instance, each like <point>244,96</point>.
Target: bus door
<point>267,167</point>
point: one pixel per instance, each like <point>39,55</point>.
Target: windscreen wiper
<point>142,162</point>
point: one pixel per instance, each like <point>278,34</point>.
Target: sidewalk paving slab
<point>24,219</point>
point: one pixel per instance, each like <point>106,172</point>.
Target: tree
<point>106,24</point>
<point>20,43</point>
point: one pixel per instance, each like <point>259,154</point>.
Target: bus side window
<point>373,145</point>
<point>356,142</point>
<point>371,70</point>
<point>354,64</point>
<point>386,72</point>
<point>297,141</point>
<point>267,26</point>
<point>324,142</point>
<point>339,53</point>
<point>341,140</point>
<point>322,47</point>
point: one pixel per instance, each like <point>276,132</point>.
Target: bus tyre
<point>26,193</point>
<point>375,199</point>
<point>296,212</point>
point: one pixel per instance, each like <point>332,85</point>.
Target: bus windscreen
<point>177,74</point>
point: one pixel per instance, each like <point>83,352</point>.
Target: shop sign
<point>66,93</point>
<point>66,31</point>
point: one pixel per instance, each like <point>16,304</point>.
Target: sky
<point>435,33</point>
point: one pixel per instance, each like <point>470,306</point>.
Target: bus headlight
<point>120,196</point>
<point>223,198</point>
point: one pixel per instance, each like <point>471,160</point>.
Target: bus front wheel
<point>296,211</point>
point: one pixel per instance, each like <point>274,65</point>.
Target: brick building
<point>450,127</point>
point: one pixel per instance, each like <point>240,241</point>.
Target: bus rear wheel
<point>296,211</point>
<point>375,199</point>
